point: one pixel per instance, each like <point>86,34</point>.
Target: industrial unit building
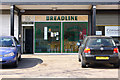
<point>56,26</point>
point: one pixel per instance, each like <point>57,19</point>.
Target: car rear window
<point>100,42</point>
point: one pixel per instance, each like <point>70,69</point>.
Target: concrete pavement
<point>56,66</point>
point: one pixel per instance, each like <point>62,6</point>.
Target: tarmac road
<point>56,66</point>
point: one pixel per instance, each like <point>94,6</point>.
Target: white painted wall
<point>16,26</point>
<point>5,25</point>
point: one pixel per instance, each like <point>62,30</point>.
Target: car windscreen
<point>100,42</point>
<point>6,42</point>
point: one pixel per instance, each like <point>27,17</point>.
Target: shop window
<point>101,28</point>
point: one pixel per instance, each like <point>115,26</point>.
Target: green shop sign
<point>61,18</point>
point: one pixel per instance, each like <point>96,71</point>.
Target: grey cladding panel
<point>107,19</point>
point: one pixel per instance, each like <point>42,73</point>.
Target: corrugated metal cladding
<point>59,0</point>
<point>107,19</point>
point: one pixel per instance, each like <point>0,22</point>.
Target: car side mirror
<point>78,44</point>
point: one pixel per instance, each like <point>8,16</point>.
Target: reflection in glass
<point>47,37</point>
<point>73,32</point>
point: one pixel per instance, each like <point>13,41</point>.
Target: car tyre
<point>83,64</point>
<point>16,62</point>
<point>79,58</point>
<point>20,58</point>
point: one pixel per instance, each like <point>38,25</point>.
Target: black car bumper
<point>113,59</point>
<point>7,64</point>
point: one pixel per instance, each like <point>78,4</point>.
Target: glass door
<point>28,39</point>
<point>47,37</point>
<point>73,32</point>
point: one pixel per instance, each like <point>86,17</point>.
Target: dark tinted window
<point>100,42</point>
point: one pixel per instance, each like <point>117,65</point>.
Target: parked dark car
<point>10,52</point>
<point>98,49</point>
<point>117,42</point>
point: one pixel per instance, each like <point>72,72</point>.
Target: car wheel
<point>20,58</point>
<point>16,62</point>
<point>79,58</point>
<point>83,64</point>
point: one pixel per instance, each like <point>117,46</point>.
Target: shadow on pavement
<point>102,66</point>
<point>26,63</point>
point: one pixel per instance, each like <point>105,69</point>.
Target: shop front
<point>58,33</point>
<point>56,27</point>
